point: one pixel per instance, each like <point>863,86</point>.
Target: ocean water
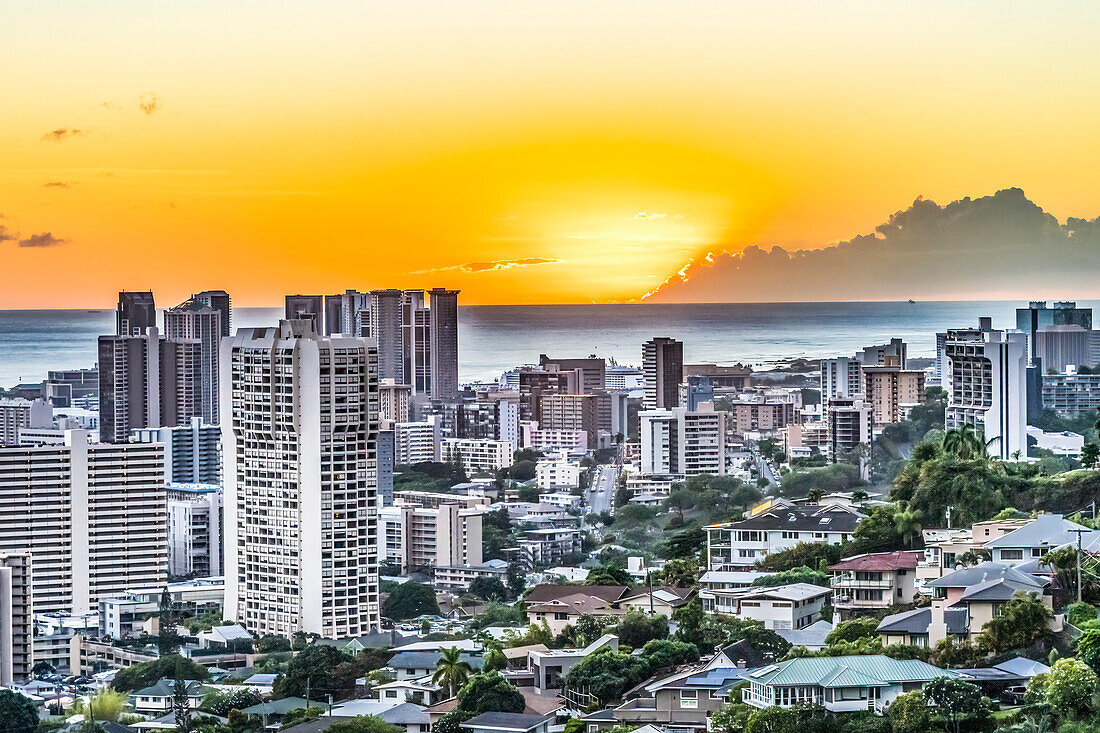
<point>495,338</point>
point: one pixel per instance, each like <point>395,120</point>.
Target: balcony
<point>850,581</point>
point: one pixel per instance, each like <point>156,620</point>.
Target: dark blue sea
<point>495,338</point>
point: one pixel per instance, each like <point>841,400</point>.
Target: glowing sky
<point>520,151</point>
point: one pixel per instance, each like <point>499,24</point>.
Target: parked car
<point>1014,695</point>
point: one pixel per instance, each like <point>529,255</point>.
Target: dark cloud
<point>493,265</point>
<point>7,235</point>
<point>45,239</point>
<point>994,246</point>
<point>56,184</point>
<point>149,102</point>
<point>62,133</point>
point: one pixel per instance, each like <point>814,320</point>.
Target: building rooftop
<point>811,636</point>
<point>874,670</point>
<point>984,572</point>
<point>1046,530</point>
<point>520,722</point>
<point>881,561</point>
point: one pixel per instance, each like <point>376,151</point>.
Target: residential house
<point>562,605</point>
<point>231,637</point>
<point>793,606</point>
<point>1038,537</point>
<point>415,665</point>
<point>682,701</point>
<point>661,601</point>
<point>508,723</point>
<point>739,545</point>
<point>548,666</point>
<point>873,582</point>
<point>157,699</point>
<point>811,637</point>
<point>840,684</point>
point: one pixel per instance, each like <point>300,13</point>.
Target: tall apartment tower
<point>16,618</point>
<point>307,307</point>
<point>663,365</point>
<point>841,378</point>
<point>416,346</point>
<point>136,312</point>
<point>989,387</point>
<point>299,443</point>
<point>192,320</point>
<point>385,328</point>
<point>146,381</point>
<point>94,521</point>
<point>443,317</point>
<point>219,301</point>
<point>348,313</point>
<point>192,452</point>
<point>893,353</point>
<point>1038,315</point>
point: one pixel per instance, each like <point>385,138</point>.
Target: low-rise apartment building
<point>778,526</point>
<point>871,583</point>
<point>793,606</point>
<point>478,455</point>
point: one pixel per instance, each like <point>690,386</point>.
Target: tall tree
<point>167,640</point>
<point>181,706</point>
<point>451,671</point>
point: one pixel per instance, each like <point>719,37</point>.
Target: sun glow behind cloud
<point>337,144</point>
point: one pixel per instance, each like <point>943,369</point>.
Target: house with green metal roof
<point>841,684</point>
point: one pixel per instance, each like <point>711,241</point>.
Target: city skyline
<point>520,154</point>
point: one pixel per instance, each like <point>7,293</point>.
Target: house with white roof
<point>793,606</point>
<point>840,684</point>
<point>1038,537</point>
<point>774,526</point>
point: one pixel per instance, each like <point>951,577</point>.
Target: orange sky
<point>587,149</point>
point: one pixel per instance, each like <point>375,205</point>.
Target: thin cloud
<point>149,102</point>
<point>7,235</point>
<point>56,184</point>
<point>45,239</point>
<point>491,265</point>
<point>650,215</point>
<point>62,133</point>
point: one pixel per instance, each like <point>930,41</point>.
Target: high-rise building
<point>394,401</point>
<point>193,320</point>
<point>348,314</point>
<point>477,455</point>
<point>136,312</point>
<point>305,307</point>
<point>299,445</point>
<point>890,390</point>
<point>737,376</point>
<point>841,378</point>
<point>988,387</point>
<point>94,520</point>
<point>386,329</point>
<point>663,364</point>
<point>1038,315</point>
<point>195,517</point>
<point>18,414</point>
<point>696,390</point>
<point>892,354</point>
<point>1057,347</point>
<point>534,383</point>
<point>219,301</point>
<point>848,422</point>
<point>192,452</point>
<point>422,538</point>
<point>942,367</point>
<point>418,442</point>
<point>593,370</point>
<point>559,411</point>
<point>387,459</point>
<point>16,618</point>
<point>443,312</point>
<point>1071,394</point>
<point>684,443</point>
<point>129,384</point>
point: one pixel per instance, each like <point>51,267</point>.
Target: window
<point>689,698</point>
<point>1036,552</point>
<point>1012,554</point>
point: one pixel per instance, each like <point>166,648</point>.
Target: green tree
<point>606,674</point>
<point>794,575</point>
<point>320,667</point>
<point>409,600</point>
<point>1071,685</point>
<point>907,523</point>
<point>1022,621</point>
<point>613,573</point>
<point>909,713</point>
<point>1090,455</point>
<point>772,720</point>
<point>272,643</point>
<point>662,653</point>
<point>488,692</point>
<point>684,544</point>
<point>589,627</point>
<point>635,629</point>
<point>145,674</point>
<point>365,724</point>
<point>107,704</point>
<point>17,712</point>
<point>964,443</point>
<point>181,706</point>
<point>680,501</point>
<point>803,554</point>
<point>220,702</point>
<point>854,629</point>
<point>680,572</point>
<point>490,588</point>
<point>954,699</point>
<point>168,640</point>
<point>494,660</point>
<point>451,670</point>
<point>517,579</point>
<point>1088,648</point>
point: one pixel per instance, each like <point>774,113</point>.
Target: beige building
<point>417,537</point>
<point>16,614</point>
<point>890,390</point>
<point>871,583</point>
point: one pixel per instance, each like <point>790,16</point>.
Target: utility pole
<point>308,679</point>
<point>1079,532</point>
<point>949,517</point>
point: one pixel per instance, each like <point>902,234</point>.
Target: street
<point>600,496</point>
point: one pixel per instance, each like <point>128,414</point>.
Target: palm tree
<point>815,495</point>
<point>859,496</point>
<point>964,443</point>
<point>451,671</point>
<point>907,522</point>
